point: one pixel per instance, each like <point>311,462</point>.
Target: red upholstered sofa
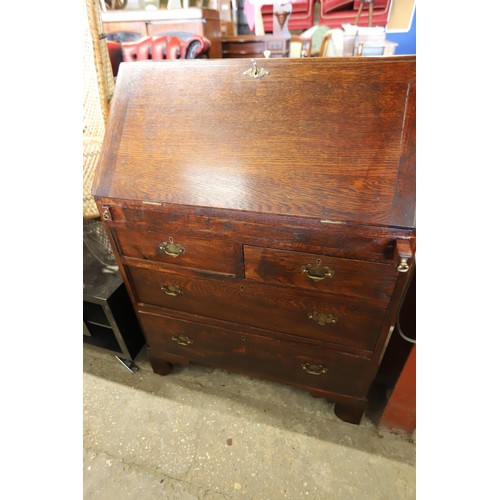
<point>334,13</point>
<point>157,48</point>
<point>302,17</point>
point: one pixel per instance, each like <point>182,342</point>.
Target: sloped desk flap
<point>323,138</point>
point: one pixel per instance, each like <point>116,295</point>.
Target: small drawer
<point>291,362</point>
<point>175,247</point>
<point>322,273</point>
<point>338,319</point>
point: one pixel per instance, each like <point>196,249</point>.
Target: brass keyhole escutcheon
<point>322,319</point>
<point>171,290</point>
<point>317,272</point>
<point>171,248</point>
<point>255,72</point>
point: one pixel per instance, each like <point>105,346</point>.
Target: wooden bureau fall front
<point>263,214</point>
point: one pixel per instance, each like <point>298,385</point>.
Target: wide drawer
<point>322,273</point>
<point>290,362</point>
<point>173,246</point>
<point>338,319</point>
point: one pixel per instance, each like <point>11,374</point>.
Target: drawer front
<point>321,273</point>
<point>367,243</point>
<point>172,246</point>
<point>332,318</point>
<point>240,48</point>
<point>291,362</point>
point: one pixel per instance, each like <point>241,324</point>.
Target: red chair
<point>157,48</point>
<point>334,13</point>
<point>302,17</point>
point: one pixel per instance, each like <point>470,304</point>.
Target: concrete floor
<point>205,433</point>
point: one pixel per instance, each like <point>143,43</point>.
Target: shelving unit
<point>109,320</point>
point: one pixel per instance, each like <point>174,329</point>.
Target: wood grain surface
<point>211,254</point>
<point>348,276</point>
<point>258,355</point>
<point>362,242</point>
<point>263,306</point>
<point>255,179</point>
<point>318,138</point>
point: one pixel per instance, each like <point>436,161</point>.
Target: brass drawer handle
<point>316,272</point>
<point>403,255</point>
<point>322,319</point>
<point>314,369</point>
<point>171,248</point>
<point>403,266</point>
<point>171,290</point>
<point>182,340</point>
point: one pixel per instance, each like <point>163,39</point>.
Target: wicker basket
<point>98,85</point>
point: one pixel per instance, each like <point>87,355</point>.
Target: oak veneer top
<point>323,138</point>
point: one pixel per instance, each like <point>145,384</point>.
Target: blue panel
<point>407,41</point>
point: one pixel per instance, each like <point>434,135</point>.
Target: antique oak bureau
<point>263,214</point>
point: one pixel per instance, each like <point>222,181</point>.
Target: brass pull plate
<point>317,272</point>
<point>403,266</point>
<point>314,369</point>
<point>403,256</point>
<point>171,290</point>
<point>182,340</point>
<point>171,248</point>
<point>322,319</point>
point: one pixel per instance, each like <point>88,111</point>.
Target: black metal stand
<point>109,320</point>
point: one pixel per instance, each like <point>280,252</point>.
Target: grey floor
<point>205,433</point>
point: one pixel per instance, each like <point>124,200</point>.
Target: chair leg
<point>370,12</point>
<point>358,15</point>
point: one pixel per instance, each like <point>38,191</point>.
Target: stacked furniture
<point>335,13</point>
<point>301,18</point>
<point>332,13</point>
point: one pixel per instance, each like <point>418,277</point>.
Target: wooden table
<point>254,46</point>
